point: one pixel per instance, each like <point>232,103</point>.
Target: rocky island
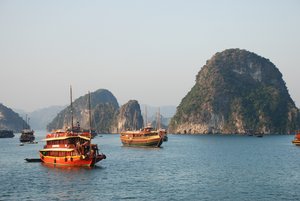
<point>10,120</point>
<point>107,116</point>
<point>237,91</point>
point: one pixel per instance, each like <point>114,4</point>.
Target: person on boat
<point>79,148</point>
<point>86,147</point>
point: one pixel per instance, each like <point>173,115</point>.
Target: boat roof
<point>65,137</point>
<point>57,149</point>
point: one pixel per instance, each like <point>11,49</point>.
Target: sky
<point>147,50</point>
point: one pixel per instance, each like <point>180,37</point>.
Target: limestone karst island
<point>236,92</point>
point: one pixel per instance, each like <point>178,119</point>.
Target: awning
<point>57,149</point>
<point>66,137</point>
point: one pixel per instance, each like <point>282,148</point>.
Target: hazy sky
<point>148,50</point>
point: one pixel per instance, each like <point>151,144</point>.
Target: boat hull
<point>76,161</point>
<point>296,142</point>
<point>25,138</point>
<point>6,134</point>
<point>154,142</point>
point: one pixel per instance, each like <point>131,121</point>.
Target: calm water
<point>186,168</point>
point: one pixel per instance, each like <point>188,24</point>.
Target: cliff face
<point>103,108</point>
<point>9,120</point>
<point>129,117</point>
<point>237,91</point>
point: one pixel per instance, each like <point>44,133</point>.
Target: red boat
<point>71,147</point>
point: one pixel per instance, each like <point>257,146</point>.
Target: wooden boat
<point>71,147</point>
<point>296,140</point>
<point>27,134</point>
<point>146,137</point>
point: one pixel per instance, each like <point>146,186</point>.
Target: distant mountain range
<point>39,119</point>
<point>166,112</point>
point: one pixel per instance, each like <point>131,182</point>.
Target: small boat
<point>6,134</point>
<point>249,132</point>
<point>71,147</point>
<point>296,140</point>
<point>33,160</point>
<point>146,137</point>
<point>165,138</point>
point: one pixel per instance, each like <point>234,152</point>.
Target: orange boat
<point>146,137</point>
<point>296,141</point>
<point>71,147</point>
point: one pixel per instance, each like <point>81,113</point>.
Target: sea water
<point>187,167</point>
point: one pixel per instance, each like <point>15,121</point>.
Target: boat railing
<point>59,146</point>
<point>67,134</point>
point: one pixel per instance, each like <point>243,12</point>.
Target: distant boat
<point>296,140</point>
<point>71,147</point>
<point>146,137</point>
<point>27,134</point>
<point>6,134</point>
<point>249,132</point>
<point>258,134</point>
<point>158,121</point>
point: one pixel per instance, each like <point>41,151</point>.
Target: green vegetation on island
<point>237,91</point>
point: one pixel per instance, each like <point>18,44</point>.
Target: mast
<point>158,119</point>
<point>72,125</point>
<point>28,123</point>
<point>135,121</point>
<point>146,120</point>
<point>90,112</point>
<point>26,126</point>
